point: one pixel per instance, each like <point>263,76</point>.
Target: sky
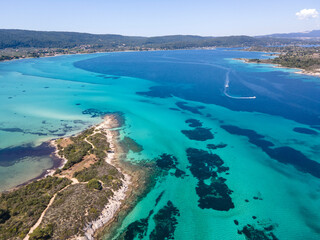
<point>162,17</point>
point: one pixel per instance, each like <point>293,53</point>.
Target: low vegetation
<point>295,61</point>
<point>73,209</point>
<point>42,233</point>
<point>101,145</point>
<point>77,150</point>
<point>94,184</point>
<point>21,208</point>
<point>74,205</point>
<point>306,58</point>
<point>82,203</point>
<point>103,172</point>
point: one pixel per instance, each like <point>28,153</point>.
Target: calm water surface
<point>239,142</point>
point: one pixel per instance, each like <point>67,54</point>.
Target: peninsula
<point>305,59</point>
<point>80,198</point>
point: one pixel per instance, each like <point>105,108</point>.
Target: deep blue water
<point>200,75</point>
<point>239,143</point>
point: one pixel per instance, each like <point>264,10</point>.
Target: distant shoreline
<point>245,60</point>
<point>300,71</point>
<point>83,53</point>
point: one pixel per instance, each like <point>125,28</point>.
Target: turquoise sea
<point>240,143</point>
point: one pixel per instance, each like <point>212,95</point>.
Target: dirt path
<point>110,209</point>
<point>86,140</point>
<point>44,212</point>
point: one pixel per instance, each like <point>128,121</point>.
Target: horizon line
<point>166,35</point>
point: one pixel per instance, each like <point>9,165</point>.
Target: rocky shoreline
<point>127,194</point>
<point>300,71</point>
<point>93,187</point>
<point>115,203</point>
<point>140,180</point>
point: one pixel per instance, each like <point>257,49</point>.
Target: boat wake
<point>226,87</point>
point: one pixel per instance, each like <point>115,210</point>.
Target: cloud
<point>307,14</point>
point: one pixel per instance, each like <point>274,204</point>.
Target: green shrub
<point>94,184</point>
<point>25,205</point>
<point>4,215</point>
<point>100,142</point>
<point>86,174</point>
<point>42,233</point>
<point>75,153</point>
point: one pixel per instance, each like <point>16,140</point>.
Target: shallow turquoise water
<point>47,98</point>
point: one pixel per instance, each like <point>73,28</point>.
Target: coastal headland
<point>304,59</point>
<point>83,198</point>
<point>313,73</point>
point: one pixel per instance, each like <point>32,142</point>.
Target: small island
<point>82,197</point>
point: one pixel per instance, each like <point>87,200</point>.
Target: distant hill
<point>10,38</point>
<point>310,34</point>
<point>42,39</point>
